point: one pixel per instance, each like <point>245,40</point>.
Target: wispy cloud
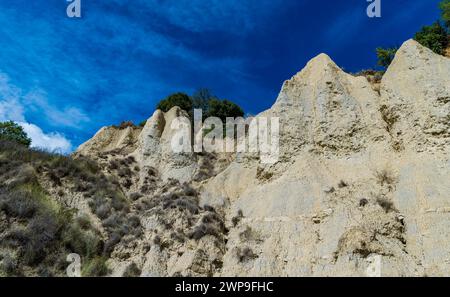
<point>69,116</point>
<point>236,16</point>
<point>122,57</point>
<point>12,108</point>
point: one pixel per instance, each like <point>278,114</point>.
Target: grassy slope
<point>36,231</point>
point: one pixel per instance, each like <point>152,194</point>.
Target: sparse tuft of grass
<point>342,184</point>
<point>386,204</point>
<point>237,218</point>
<point>245,254</point>
<point>132,271</point>
<point>385,178</point>
<point>95,267</point>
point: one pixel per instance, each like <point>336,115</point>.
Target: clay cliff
<point>363,177</point>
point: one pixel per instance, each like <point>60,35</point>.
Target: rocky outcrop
<point>363,178</point>
<point>324,109</point>
<point>415,99</point>
<point>347,190</point>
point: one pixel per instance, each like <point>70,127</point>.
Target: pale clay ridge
<point>341,143</point>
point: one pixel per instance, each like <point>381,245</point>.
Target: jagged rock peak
<point>415,98</point>
<point>327,109</point>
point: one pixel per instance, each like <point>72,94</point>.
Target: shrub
<point>9,266</point>
<point>384,177</point>
<point>434,37</point>
<point>134,221</point>
<point>132,271</point>
<point>124,172</point>
<point>19,204</point>
<point>371,75</point>
<point>224,109</point>
<point>187,204</point>
<point>112,241</point>
<point>83,221</point>
<point>126,124</point>
<point>103,211</point>
<point>13,132</point>
<point>389,117</point>
<point>203,230</point>
<point>209,208</point>
<point>363,202</point>
<point>445,9</point>
<point>157,240</point>
<point>81,242</point>
<point>181,100</point>
<point>245,254</point>
<point>386,56</point>
<point>135,196</point>
<point>114,164</point>
<point>386,204</point>
<point>95,267</point>
<point>41,232</point>
<point>203,99</point>
<point>342,184</point>
<point>236,219</point>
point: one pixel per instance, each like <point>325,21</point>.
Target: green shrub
<point>445,9</point>
<point>434,37</point>
<point>95,267</point>
<point>18,204</point>
<point>42,231</point>
<point>203,99</point>
<point>224,109</point>
<point>82,242</point>
<point>13,132</point>
<point>9,266</point>
<point>386,56</point>
<point>181,100</point>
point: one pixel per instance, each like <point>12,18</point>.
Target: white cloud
<point>53,142</point>
<point>12,109</point>
<point>72,117</point>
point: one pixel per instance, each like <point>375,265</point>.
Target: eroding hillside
<point>363,174</point>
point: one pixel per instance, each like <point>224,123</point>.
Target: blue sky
<point>63,79</point>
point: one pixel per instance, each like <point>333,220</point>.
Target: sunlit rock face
<point>362,186</point>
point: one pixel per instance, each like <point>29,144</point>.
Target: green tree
<point>13,132</point>
<point>434,37</point>
<point>386,56</point>
<point>445,8</point>
<point>181,100</point>
<point>224,109</point>
<point>201,99</point>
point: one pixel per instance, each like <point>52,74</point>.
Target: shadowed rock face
<point>364,178</point>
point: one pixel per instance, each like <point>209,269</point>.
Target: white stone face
<point>362,185</point>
